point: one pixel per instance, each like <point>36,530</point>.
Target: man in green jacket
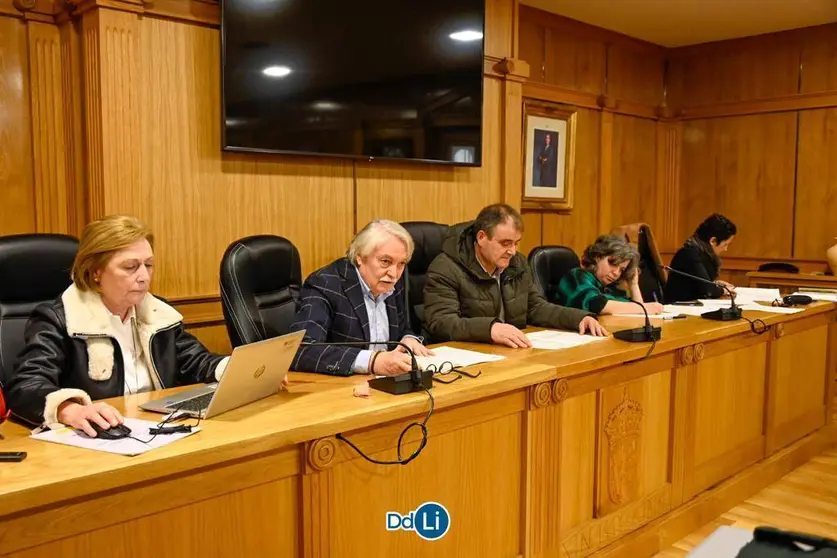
<point>480,289</point>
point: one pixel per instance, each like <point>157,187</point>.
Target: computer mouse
<point>112,433</point>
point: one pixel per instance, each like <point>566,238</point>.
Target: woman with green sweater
<point>607,281</point>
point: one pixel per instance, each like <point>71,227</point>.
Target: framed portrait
<point>548,155</point>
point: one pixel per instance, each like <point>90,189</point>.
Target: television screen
<point>389,79</point>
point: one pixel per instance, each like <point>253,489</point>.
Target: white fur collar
<point>87,316</point>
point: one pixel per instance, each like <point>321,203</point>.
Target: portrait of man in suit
<point>545,163</point>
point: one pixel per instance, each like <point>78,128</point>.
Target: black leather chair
<point>34,268</point>
<point>549,265</point>
<point>260,281</point>
<point>428,238</point>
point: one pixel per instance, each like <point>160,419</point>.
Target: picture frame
<point>548,155</point>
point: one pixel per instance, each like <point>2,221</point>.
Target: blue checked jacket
<point>330,308</point>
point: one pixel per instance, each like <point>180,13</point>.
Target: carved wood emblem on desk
<point>321,453</point>
<point>778,331</point>
<point>24,5</point>
<point>623,428</point>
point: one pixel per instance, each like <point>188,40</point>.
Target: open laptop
<point>253,372</point>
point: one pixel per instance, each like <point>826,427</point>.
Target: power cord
<point>162,429</point>
<point>757,326</point>
<point>646,355</point>
<point>399,461</point>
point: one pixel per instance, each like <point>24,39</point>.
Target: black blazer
<point>690,259</point>
<point>330,308</point>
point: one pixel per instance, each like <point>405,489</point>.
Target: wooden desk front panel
<point>798,378</point>
<point>473,465</point>
<point>725,410</point>
<point>240,509</point>
<point>601,459</point>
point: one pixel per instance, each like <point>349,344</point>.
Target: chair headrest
<point>35,267</point>
<point>428,238</point>
<point>262,263</point>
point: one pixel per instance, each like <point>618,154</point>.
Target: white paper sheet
<point>554,340</point>
<point>773,309</point>
<point>687,310</point>
<point>123,446</point>
<point>458,357</point>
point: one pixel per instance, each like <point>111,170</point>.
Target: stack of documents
<point>457,357</point>
<point>123,446</point>
<point>553,340</point>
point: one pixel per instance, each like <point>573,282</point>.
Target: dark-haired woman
<point>701,256</point>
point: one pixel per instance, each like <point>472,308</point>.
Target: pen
<point>654,294</point>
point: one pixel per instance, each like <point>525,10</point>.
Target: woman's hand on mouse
<point>80,416</point>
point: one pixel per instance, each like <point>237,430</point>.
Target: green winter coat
<point>462,302</point>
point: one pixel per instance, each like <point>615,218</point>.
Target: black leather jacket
<point>53,359</point>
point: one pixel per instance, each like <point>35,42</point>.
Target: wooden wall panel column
<point>53,208</point>
<point>816,201</point>
<point>633,188</point>
<point>669,139</point>
<point>71,97</point>
<point>17,210</point>
<point>742,167</point>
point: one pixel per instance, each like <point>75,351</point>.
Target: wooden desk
<point>564,453</point>
<point>790,282</point>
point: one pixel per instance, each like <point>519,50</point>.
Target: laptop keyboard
<point>196,404</point>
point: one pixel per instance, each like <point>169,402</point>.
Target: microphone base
<point>639,334</point>
<point>723,314</point>
<point>398,385</point>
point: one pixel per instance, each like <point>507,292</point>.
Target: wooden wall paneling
<point>738,70</point>
<point>742,167</point>
<point>532,236</point>
<point>580,227</point>
<point>205,199</point>
<point>669,140</point>
<point>52,201</point>
<point>635,73</point>
<point>532,45</point>
<point>112,88</point>
<point>500,19</point>
<point>511,144</point>
<point>213,336</point>
<point>819,59</point>
<point>606,147</point>
<point>408,192</point>
<point>633,191</point>
<point>17,212</point>
<point>816,188</point>
<point>71,96</point>
<point>574,62</point>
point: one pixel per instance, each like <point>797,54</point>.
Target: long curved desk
<point>548,453</point>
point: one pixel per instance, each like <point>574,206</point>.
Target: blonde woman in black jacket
<point>105,336</point>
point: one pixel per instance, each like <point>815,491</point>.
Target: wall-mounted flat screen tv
<point>371,79</point>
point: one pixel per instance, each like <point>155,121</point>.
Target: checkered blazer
<point>330,308</point>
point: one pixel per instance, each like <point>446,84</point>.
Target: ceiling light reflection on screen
<point>276,71</point>
<point>466,35</point>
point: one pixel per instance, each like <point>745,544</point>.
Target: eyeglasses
<point>446,368</point>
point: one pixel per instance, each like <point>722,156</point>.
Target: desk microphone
<point>640,334</point>
<point>721,314</point>
<point>415,380</point>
